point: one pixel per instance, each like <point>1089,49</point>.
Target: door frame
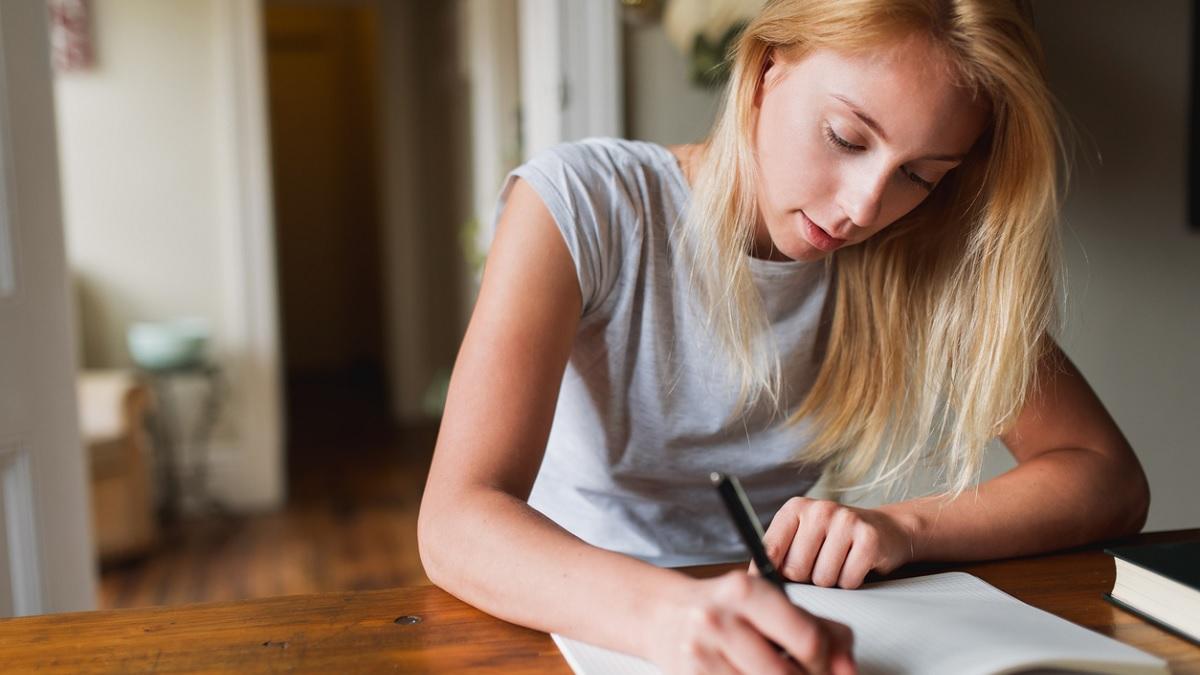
<point>47,559</point>
<point>571,78</point>
<point>248,476</point>
<point>570,88</point>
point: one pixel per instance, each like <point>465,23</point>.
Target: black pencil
<point>747,525</point>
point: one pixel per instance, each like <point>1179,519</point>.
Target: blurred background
<point>273,216</point>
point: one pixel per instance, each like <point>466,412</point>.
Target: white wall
<point>426,194</point>
<point>140,172</point>
<point>1133,267</point>
<point>661,104</point>
<point>46,562</point>
<point>162,149</point>
<point>165,212</point>
<point>492,72</point>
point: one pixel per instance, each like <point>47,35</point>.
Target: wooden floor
<point>350,523</point>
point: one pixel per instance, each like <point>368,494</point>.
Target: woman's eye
<point>928,185</point>
<point>840,142</point>
<point>843,144</point>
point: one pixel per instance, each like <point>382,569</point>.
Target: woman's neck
<point>688,157</point>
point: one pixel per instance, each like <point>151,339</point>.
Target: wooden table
<point>424,629</point>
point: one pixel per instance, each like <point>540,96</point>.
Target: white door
<point>46,562</point>
<point>570,71</point>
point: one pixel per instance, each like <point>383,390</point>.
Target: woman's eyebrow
<point>870,122</point>
<point>867,119</point>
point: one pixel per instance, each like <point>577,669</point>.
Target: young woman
<point>854,275</point>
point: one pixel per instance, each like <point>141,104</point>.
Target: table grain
<point>424,629</point>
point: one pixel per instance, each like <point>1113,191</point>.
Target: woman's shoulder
<point>608,148</point>
<point>608,158</point>
<point>603,194</point>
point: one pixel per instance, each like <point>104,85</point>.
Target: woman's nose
<point>862,194</point>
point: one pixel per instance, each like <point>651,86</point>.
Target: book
<point>1160,583</point>
<point>951,623</point>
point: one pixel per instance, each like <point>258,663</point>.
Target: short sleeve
<point>582,186</point>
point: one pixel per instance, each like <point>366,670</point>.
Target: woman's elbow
<point>1140,509</point>
<point>430,543</point>
<point>1135,507</point>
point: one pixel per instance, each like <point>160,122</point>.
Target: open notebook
<point>951,623</point>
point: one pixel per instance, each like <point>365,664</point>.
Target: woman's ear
<point>769,70</point>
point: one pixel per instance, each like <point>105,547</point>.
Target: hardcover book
<point>1160,583</point>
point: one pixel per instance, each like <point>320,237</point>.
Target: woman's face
<point>849,143</point>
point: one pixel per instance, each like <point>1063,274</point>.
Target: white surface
<point>46,558</point>
<point>140,158</point>
<point>1165,599</point>
<point>167,207</point>
<point>662,103</point>
<point>1133,305</point>
<point>490,29</point>
<point>247,470</point>
<point>950,623</point>
<point>570,60</point>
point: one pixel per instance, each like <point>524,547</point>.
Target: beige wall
<point>426,194</point>
<point>661,105</point>
<point>1133,267</point>
<point>166,199</point>
<point>140,171</point>
<point>152,219</point>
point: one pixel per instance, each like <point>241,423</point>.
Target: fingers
<point>781,533</point>
<point>830,544</point>
<point>839,538</point>
<point>747,621</point>
<point>805,637</point>
<point>711,661</point>
<point>722,637</point>
<point>858,563</point>
<point>749,652</point>
<point>812,521</point>
<point>841,655</point>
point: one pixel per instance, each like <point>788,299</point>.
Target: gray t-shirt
<point>644,411</point>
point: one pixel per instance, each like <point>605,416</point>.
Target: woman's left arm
<point>1076,481</point>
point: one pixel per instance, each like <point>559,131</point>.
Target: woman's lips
<point>820,238</point>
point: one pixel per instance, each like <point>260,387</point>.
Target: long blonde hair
<point>940,321</point>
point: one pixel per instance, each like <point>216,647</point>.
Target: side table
<point>183,449</point>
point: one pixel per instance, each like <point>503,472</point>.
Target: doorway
<point>322,73</point>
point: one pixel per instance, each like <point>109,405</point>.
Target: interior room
<point>258,230</point>
<point>354,176</point>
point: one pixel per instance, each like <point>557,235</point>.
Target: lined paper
<point>950,623</point>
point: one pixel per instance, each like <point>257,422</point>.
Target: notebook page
<point>950,623</point>
<point>586,659</point>
<point>956,623</point>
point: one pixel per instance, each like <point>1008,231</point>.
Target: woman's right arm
<point>482,542</point>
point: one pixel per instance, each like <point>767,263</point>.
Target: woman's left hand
<point>830,544</point>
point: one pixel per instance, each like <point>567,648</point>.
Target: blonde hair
<point>939,321</point>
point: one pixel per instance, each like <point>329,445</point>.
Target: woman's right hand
<point>727,625</point>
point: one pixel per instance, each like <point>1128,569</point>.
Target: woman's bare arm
<point>1077,481</point>
<point>480,540</point>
